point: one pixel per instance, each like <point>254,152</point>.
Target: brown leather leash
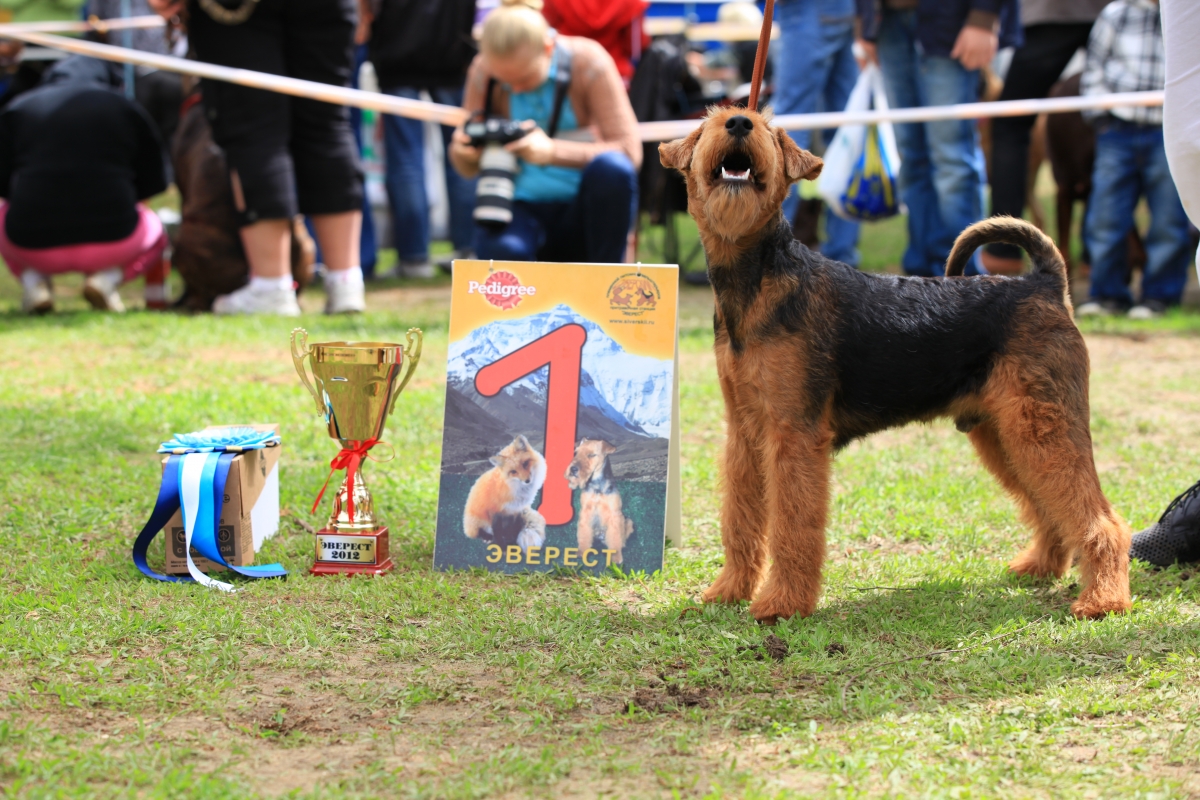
<point>760,57</point>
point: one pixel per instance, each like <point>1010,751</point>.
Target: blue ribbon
<point>202,522</point>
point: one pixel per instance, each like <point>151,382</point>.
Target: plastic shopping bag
<point>862,164</point>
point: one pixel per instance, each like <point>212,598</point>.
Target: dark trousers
<point>594,227</point>
<point>288,154</point>
<point>1035,68</point>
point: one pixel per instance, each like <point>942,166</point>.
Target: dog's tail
<point>1041,248</point>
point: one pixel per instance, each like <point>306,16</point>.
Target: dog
<point>599,502</point>
<point>812,354</point>
<point>506,491</point>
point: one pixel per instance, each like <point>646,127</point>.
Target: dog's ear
<point>522,443</point>
<point>799,164</point>
<point>496,461</point>
<point>678,154</point>
<point>607,448</point>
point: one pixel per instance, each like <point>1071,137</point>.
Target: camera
<point>494,192</point>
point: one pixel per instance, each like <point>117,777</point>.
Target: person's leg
<point>404,148</point>
<point>519,240</point>
<point>368,247</point>
<point>896,46</point>
<point>1115,189</point>
<point>460,190</point>
<point>841,235</point>
<point>800,70</point>
<point>606,203</point>
<point>1034,69</point>
<point>958,173</point>
<point>1168,247</point>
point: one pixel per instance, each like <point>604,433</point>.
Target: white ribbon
<point>191,477</point>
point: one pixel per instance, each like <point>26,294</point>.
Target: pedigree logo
<point>501,289</point>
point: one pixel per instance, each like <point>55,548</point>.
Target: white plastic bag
<point>862,163</point>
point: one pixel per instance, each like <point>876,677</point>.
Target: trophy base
<point>363,553</point>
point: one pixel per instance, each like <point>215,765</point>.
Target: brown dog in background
<point>813,354</point>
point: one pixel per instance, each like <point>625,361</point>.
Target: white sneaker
<point>414,269</point>
<point>253,300</point>
<point>100,290</point>
<point>344,298</point>
<point>37,295</point>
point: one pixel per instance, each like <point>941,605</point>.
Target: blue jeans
<point>404,148</point>
<point>1131,163</point>
<point>815,71</point>
<point>942,173</point>
<point>594,227</point>
<point>367,247</point>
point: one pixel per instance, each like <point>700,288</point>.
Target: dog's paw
<point>772,606</point>
<point>730,588</point>
<point>531,537</point>
<point>1092,605</point>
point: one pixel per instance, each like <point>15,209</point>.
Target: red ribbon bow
<point>349,459</point>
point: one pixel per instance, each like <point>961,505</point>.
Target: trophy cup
<point>355,385</point>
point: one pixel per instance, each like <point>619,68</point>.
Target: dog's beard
<point>736,202</point>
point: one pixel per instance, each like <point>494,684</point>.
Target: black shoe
<point>1176,535</point>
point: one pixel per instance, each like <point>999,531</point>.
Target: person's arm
<point>167,9</point>
<point>609,111</point>
<point>978,40</point>
<point>463,157</point>
<point>1099,52</point>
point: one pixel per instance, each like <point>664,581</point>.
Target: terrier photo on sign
<point>599,502</point>
<point>499,507</point>
<point>812,354</point>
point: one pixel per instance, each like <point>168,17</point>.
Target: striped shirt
<point>1125,54</point>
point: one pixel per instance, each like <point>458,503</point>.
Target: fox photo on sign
<point>561,440</point>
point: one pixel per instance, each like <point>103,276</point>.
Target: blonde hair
<point>516,24</point>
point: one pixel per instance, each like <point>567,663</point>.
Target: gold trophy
<point>355,385</point>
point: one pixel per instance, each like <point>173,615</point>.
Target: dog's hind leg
<point>1050,450</point>
<point>743,520</point>
<point>797,466</point>
<point>1046,555</point>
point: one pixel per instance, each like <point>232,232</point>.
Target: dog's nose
<point>739,126</point>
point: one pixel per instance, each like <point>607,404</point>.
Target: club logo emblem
<point>633,294</point>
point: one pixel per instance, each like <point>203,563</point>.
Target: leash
<point>760,56</point>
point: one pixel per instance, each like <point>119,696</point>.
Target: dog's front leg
<point>743,518</point>
<point>797,483</point>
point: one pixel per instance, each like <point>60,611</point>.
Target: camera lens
<point>494,192</point>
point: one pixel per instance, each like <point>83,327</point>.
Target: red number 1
<point>562,349</point>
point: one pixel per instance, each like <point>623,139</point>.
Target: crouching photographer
<point>553,140</point>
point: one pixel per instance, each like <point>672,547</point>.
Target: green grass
<point>466,685</point>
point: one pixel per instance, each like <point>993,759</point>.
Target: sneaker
<point>1101,308</point>
<point>37,295</point>
<point>1176,535</point>
<point>413,269</point>
<point>344,298</point>
<point>1148,309</point>
<point>251,300</point>
<point>100,290</point>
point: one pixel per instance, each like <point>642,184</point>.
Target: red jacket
<point>615,24</point>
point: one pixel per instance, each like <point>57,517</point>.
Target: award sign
<point>561,441</point>
<point>355,385</point>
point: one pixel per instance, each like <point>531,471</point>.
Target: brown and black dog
<point>813,354</point>
<point>600,509</point>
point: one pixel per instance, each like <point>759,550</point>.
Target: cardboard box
<point>249,515</point>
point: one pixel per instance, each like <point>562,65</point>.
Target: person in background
<point>1176,534</point>
<point>76,159</point>
<point>286,154</point>
<point>1125,54</point>
<point>576,193</point>
<point>815,71</point>
<point>615,24</point>
<point>415,45</point>
<point>1054,31</point>
<point>931,52</point>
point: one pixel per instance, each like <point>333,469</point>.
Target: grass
<point>466,685</point>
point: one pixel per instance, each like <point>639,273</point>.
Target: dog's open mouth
<point>736,167</point>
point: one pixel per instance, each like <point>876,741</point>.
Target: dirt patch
<point>668,698</point>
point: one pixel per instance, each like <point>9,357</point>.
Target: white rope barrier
<point>453,115</point>
<point>148,21</point>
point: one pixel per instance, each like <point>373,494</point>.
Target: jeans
<point>368,249</point>
<point>942,174</point>
<point>404,148</point>
<point>1131,162</point>
<point>594,227</point>
<point>815,71</point>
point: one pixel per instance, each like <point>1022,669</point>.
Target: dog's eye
<point>512,472</point>
<point>524,465</point>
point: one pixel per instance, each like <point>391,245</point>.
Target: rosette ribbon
<point>349,459</point>
<point>194,479</point>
